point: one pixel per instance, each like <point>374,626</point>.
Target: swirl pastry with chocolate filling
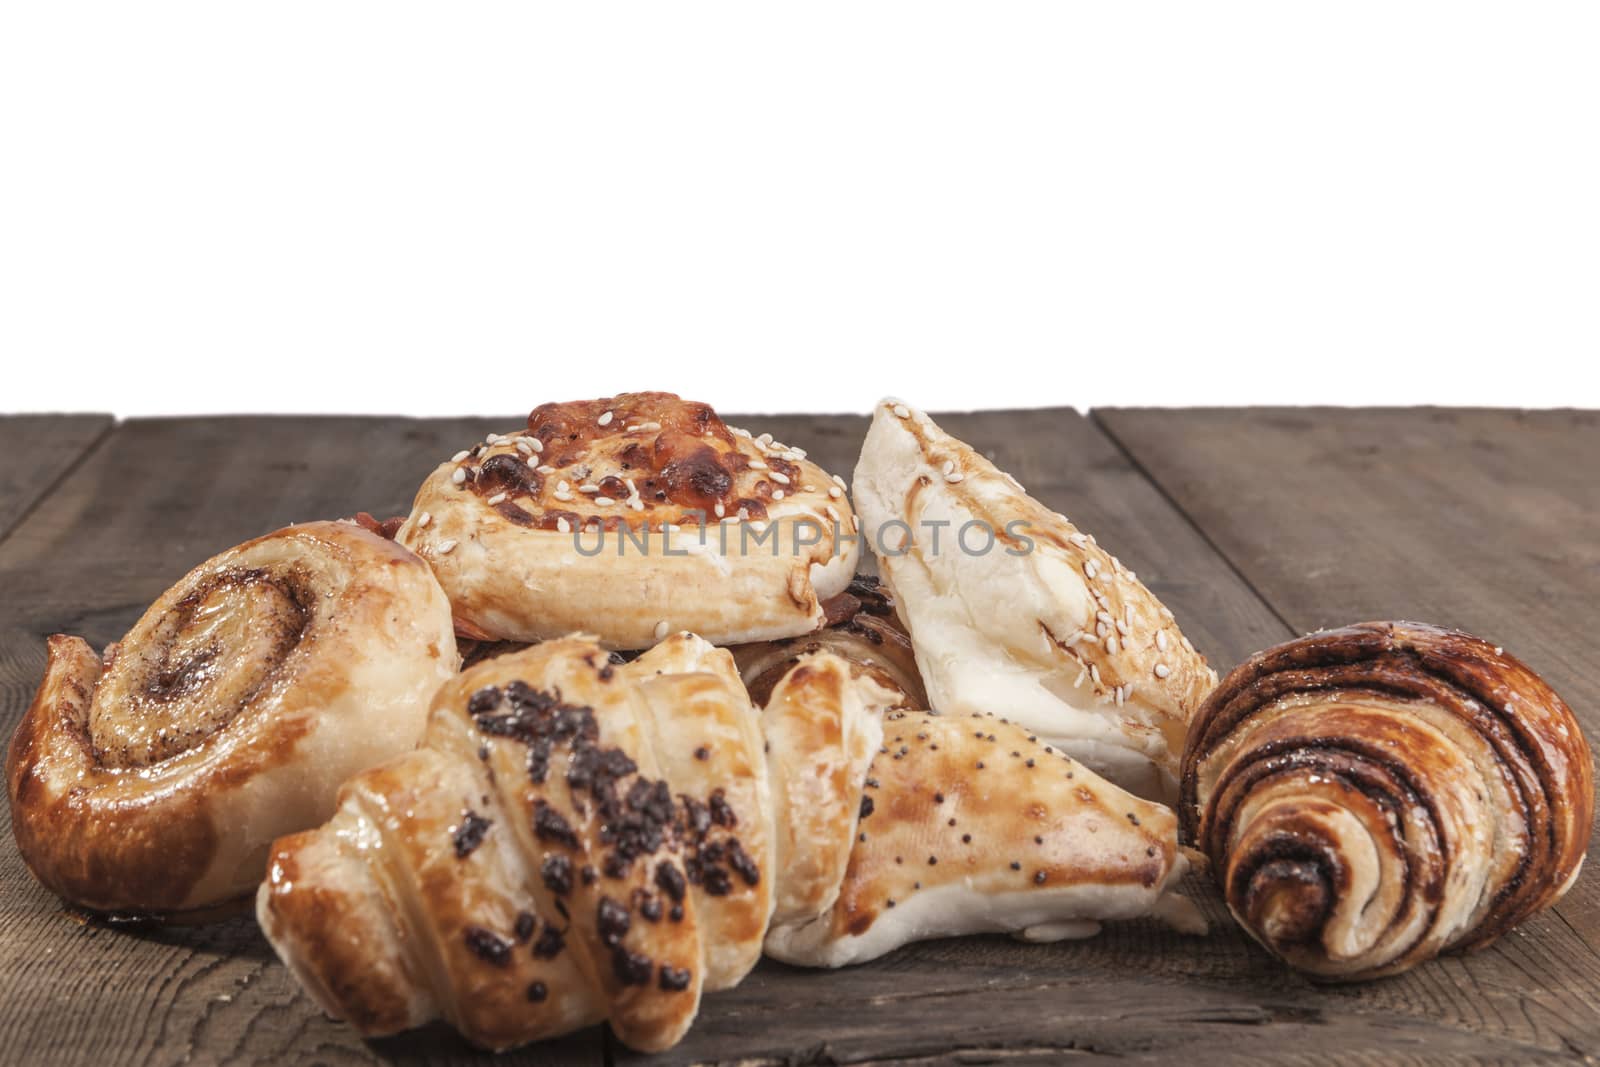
<point>630,517</point>
<point>862,628</point>
<point>1009,605</point>
<point>1373,796</point>
<point>154,781</point>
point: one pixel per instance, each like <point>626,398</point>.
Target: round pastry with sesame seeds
<point>630,517</point>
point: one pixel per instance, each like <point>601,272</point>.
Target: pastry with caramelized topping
<point>630,517</point>
<point>1011,606</point>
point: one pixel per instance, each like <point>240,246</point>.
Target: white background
<point>452,208</point>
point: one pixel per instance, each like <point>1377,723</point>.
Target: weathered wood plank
<point>35,452</point>
<point>161,496</point>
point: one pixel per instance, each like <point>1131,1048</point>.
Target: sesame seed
<point>1162,670</point>
<point>459,456</point>
<point>901,411</point>
<point>445,547</point>
<point>1127,691</point>
<point>605,420</point>
<point>423,520</point>
<point>604,501</point>
<point>840,482</point>
<point>564,526</point>
<point>720,510</point>
<point>954,477</point>
<point>1111,644</point>
<point>535,444</point>
<point>1078,539</point>
<point>498,498</point>
<point>765,440</point>
<point>588,487</point>
<point>1122,628</point>
<point>757,465</point>
<point>523,446</point>
<point>834,492</point>
<point>779,477</point>
<point>545,468</point>
<point>460,476</point>
<point>777,494</point>
<point>661,629</point>
<point>636,504</point>
<point>563,487</point>
<point>1089,568</point>
<point>1161,640</point>
<point>1094,673</point>
<point>828,509</point>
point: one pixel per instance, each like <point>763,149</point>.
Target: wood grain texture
<point>36,451</point>
<point>157,497</point>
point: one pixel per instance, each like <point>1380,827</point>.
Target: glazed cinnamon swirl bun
<point>154,781</point>
<point>631,517</point>
<point>1372,796</point>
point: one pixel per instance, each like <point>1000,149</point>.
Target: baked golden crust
<point>1375,795</point>
<point>578,840</point>
<point>1024,612</point>
<point>228,715</point>
<point>630,517</point>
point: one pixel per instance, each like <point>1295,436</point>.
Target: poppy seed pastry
<point>154,781</point>
<point>1010,606</point>
<point>1372,796</point>
<point>630,517</point>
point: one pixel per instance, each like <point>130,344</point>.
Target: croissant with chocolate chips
<point>1373,796</point>
<point>581,839</point>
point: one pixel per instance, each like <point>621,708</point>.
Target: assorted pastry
<point>611,713</point>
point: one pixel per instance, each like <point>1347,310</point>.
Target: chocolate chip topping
<point>631,968</point>
<point>487,945</point>
<point>674,979</point>
<point>469,835</point>
<point>556,871</point>
<point>550,943</point>
<point>611,921</point>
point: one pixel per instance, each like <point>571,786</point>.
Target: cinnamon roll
<point>1373,796</point>
<point>154,780</point>
<point>1009,605</point>
<point>631,517</point>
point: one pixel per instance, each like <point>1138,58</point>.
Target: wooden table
<point>1252,525</point>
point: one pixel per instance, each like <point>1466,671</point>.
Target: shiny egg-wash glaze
<point>1372,796</point>
<point>154,782</point>
<point>582,840</point>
